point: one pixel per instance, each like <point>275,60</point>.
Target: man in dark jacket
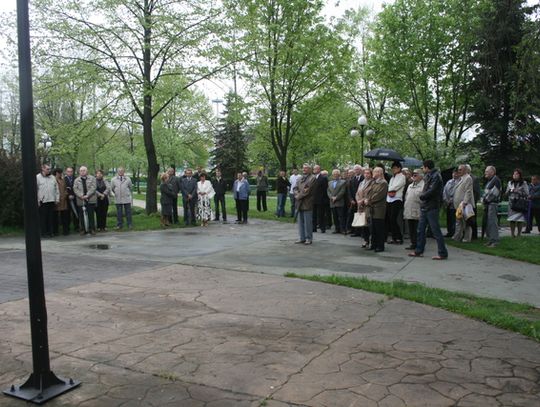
<point>220,187</point>
<point>189,197</point>
<point>320,199</point>
<point>175,183</point>
<point>429,212</point>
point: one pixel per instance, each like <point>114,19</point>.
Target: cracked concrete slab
<point>181,335</point>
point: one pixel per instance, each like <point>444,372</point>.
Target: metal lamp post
<point>362,122</point>
<point>43,384</point>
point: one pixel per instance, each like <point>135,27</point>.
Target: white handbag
<point>359,220</point>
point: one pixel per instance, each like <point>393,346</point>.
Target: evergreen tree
<point>229,153</point>
<point>496,78</point>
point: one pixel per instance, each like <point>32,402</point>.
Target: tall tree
<point>421,52</point>
<point>501,107</point>
<point>289,55</point>
<point>130,46</point>
<point>229,153</point>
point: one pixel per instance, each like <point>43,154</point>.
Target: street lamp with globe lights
<point>362,122</point>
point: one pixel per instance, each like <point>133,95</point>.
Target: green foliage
<point>230,146</point>
<point>11,210</point>
<point>522,318</point>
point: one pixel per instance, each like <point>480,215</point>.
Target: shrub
<point>11,191</point>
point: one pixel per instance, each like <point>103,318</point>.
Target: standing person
<point>448,201</point>
<point>518,193</point>
<point>320,199</point>
<point>205,193</point>
<point>241,196</point>
<point>337,188</point>
<point>175,183</point>
<point>429,212</point>
<point>103,189</point>
<point>84,187</point>
<point>534,204</point>
<point>293,181</point>
<point>303,195</point>
<point>464,196</point>
<point>121,187</point>
<point>167,199</point>
<point>220,187</point>
<point>262,190</point>
<point>62,210</point>
<point>282,187</point>
<point>355,177</point>
<point>48,197</point>
<point>69,178</point>
<point>394,202</point>
<point>189,197</point>
<point>411,208</point>
<point>477,196</point>
<point>492,195</point>
<point>361,203</point>
<point>376,203</point>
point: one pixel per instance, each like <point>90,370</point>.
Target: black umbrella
<point>384,154</point>
<point>411,162</point>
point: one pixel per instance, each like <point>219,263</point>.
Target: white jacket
<point>411,208</point>
<point>397,183</point>
<point>206,187</point>
<point>47,189</point>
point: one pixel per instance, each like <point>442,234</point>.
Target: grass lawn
<point>524,248</point>
<point>522,318</point>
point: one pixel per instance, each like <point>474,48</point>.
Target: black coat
<point>320,194</point>
<point>220,186</point>
<point>431,196</point>
<point>281,185</point>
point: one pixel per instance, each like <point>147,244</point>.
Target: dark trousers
<point>175,209</point>
<point>319,217</point>
<point>102,208</point>
<point>62,218</point>
<point>261,201</point>
<point>473,222</point>
<point>46,218</point>
<point>413,230</point>
<point>450,221</point>
<point>431,218</point>
<point>119,216</point>
<point>535,216</point>
<point>394,209</point>
<point>220,199</point>
<point>241,210</point>
<point>339,215</point>
<point>350,216</point>
<point>90,210</point>
<point>378,235</point>
<point>189,211</point>
<point>73,215</point>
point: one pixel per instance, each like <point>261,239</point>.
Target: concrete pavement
<point>203,317</point>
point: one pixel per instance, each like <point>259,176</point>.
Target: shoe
<point>216,220</point>
<point>526,232</point>
<point>414,254</point>
<point>82,233</point>
<point>411,247</point>
<point>308,242</point>
<point>93,232</point>
<point>491,245</point>
<point>300,242</point>
<point>118,228</point>
<point>323,231</point>
<point>364,245</point>
<point>439,258</point>
<point>378,250</point>
<point>335,232</point>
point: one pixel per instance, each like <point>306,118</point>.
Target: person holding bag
<point>363,191</point>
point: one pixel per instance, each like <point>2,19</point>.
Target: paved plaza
<point>204,317</point>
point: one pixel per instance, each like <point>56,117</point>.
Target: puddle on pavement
<point>510,277</point>
<point>100,246</point>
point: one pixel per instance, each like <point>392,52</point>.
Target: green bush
<point>11,190</point>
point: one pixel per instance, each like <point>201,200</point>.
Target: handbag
<point>359,220</point>
<point>519,204</point>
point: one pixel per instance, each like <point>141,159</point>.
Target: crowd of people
<point>379,207</point>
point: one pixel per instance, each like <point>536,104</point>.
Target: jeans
<point>430,217</point>
<point>119,215</point>
<point>281,198</point>
<point>220,199</point>
<point>492,223</point>
<point>305,225</point>
<point>293,203</point>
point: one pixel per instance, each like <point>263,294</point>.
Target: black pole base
<point>42,388</point>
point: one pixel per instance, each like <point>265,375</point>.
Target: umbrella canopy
<point>412,162</point>
<point>384,154</point>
